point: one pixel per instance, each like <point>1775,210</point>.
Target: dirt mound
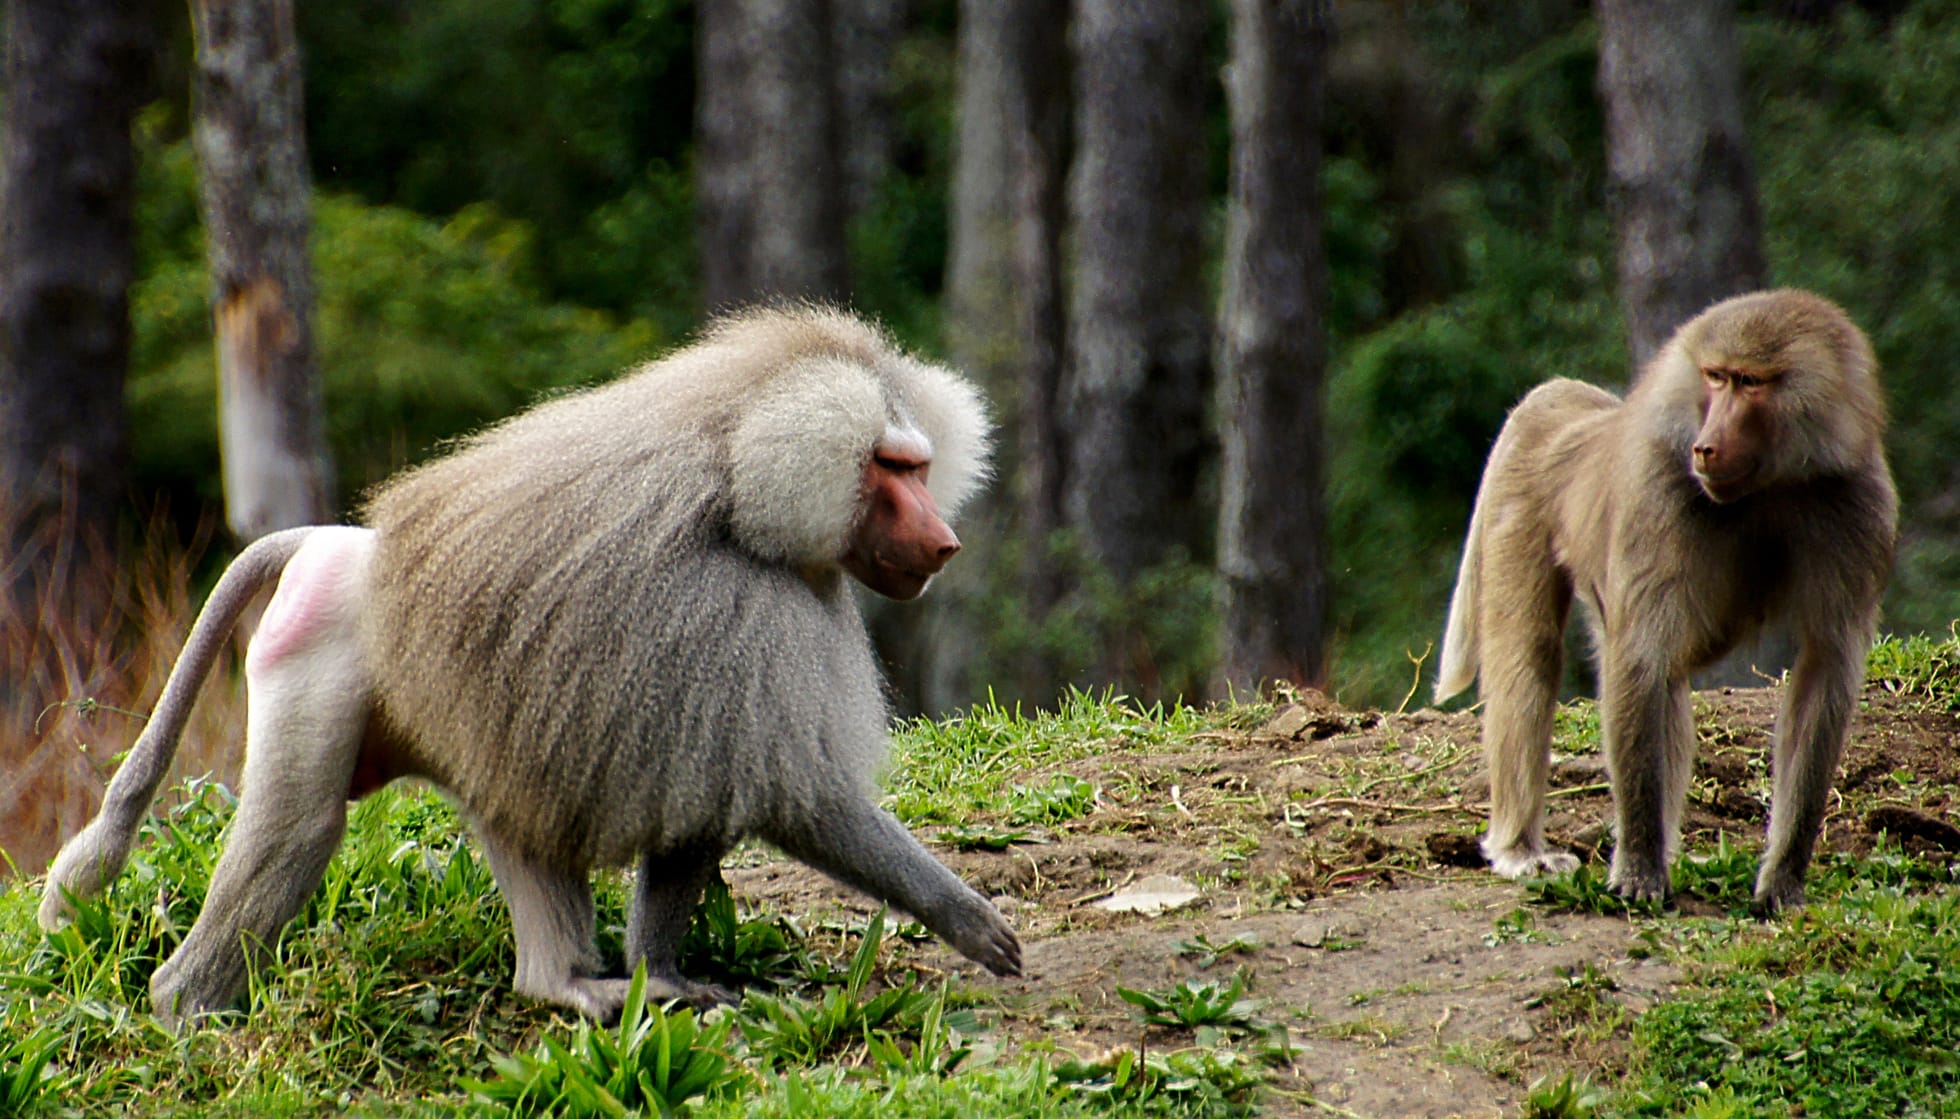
<point>1334,857</point>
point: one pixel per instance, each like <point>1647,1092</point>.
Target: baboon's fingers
<point>984,937</point>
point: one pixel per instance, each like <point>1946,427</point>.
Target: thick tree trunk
<point>1004,287</point>
<point>1139,353</point>
<point>1683,187</point>
<point>1138,309</point>
<point>1684,194</point>
<point>1004,292</point>
<point>76,72</point>
<point>251,145</point>
<point>1272,549</point>
<point>866,32</point>
<point>770,186</point>
<point>721,144</point>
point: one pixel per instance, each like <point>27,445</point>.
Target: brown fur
<point>617,629</point>
<point>1590,496</point>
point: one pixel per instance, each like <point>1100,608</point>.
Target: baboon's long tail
<point>1457,667</point>
<point>94,857</point>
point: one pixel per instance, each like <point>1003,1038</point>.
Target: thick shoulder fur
<point>789,401</point>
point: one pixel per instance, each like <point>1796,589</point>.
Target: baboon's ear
<point>797,457</point>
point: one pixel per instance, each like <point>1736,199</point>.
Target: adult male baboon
<point>1742,480</point>
<point>614,628</point>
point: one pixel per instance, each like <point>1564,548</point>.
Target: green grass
<point>389,994</point>
<point>994,760</point>
<point>1849,1008</point>
<point>1923,668</point>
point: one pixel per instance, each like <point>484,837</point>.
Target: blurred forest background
<point>1251,289</point>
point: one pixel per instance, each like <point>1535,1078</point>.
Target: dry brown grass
<point>79,692</point>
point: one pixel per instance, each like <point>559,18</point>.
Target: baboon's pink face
<point>900,542</point>
<point>1738,404</point>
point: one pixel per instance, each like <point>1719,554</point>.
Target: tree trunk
<point>1684,195</point>
<point>1004,279</point>
<point>1136,390</point>
<point>1683,188</point>
<point>1272,549</point>
<point>251,145</point>
<point>770,173</point>
<point>721,143</point>
<point>1004,290</point>
<point>76,71</point>
<point>1138,357</point>
<point>866,32</point>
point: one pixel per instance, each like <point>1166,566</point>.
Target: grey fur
<point>617,630</point>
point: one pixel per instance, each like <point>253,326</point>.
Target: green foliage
<point>572,116</point>
<point>423,330</point>
<point>1063,798</point>
<point>1584,891</point>
<point>656,1060</point>
<point>1924,668</point>
<point>742,951</point>
<point>1157,634</point>
<point>792,1030</point>
<point>1207,952</point>
<point>1568,1097</point>
<point>1194,1003</point>
<point>26,1080</point>
<point>1518,926</point>
<point>1849,1008</point>
<point>1575,727</point>
<point>1183,1082</point>
<point>1725,876</point>
<point>950,770</point>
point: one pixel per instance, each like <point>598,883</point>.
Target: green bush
<point>423,330</point>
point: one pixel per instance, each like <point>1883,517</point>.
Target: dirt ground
<point>1337,848</point>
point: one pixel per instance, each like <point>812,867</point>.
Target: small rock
<point>1152,895</point>
<point>1316,933</point>
<point>1520,1031</point>
<point>1591,837</point>
<point>1288,722</point>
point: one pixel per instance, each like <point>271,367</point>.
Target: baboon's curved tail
<point>1457,667</point>
<point>94,857</point>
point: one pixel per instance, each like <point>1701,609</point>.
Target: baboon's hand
<point>1526,862</point>
<point>1776,893</point>
<point>982,935</point>
<point>1646,882</point>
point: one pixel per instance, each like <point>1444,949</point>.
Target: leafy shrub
<point>423,330</point>
<point>655,1060</point>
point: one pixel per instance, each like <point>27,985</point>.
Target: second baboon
<point>1742,480</point>
<point>616,629</point>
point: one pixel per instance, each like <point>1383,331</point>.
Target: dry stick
<point>1416,682</point>
<point>1383,806</point>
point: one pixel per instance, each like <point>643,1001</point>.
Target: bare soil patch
<point>1342,844</point>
